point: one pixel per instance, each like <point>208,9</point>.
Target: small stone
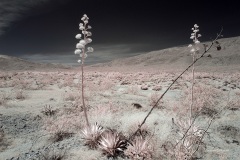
<point>144,87</point>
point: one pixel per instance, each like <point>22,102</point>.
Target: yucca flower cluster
<point>81,45</point>
<point>84,39</point>
<point>194,37</point>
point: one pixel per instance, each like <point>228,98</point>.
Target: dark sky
<point>44,30</point>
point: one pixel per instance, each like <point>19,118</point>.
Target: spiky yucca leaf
<point>112,143</point>
<point>139,149</point>
<point>92,134</point>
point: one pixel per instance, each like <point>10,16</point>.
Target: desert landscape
<point>42,118</point>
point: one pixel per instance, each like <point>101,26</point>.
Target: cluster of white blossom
<point>194,37</point>
<point>83,40</point>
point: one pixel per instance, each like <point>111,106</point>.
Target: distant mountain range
<point>176,58</point>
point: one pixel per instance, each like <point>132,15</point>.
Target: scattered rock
<point>144,87</point>
<point>136,105</point>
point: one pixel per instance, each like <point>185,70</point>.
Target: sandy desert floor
<point>36,106</point>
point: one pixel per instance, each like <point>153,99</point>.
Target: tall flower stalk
<point>82,51</point>
<point>195,49</point>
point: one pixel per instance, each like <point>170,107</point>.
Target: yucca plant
<point>112,143</point>
<point>92,135</point>
<point>194,50</point>
<point>140,149</point>
<point>83,41</point>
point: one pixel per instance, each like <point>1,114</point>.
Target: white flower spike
<point>194,37</point>
<point>84,39</point>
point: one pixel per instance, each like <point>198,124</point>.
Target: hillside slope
<point>228,58</point>
<point>9,63</point>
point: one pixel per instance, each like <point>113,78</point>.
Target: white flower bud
<point>90,49</point>
<point>196,26</point>
<point>78,51</point>
<point>89,27</point>
<point>86,21</point>
<point>78,36</point>
<point>192,50</point>
<point>192,37</point>
<point>89,40</point>
<point>81,27</point>
<point>89,34</point>
<point>199,35</point>
<point>85,56</point>
<point>80,24</point>
<point>189,45</point>
<point>84,32</point>
<point>195,31</point>
<point>83,42</point>
<point>197,42</point>
<point>79,61</point>
<point>79,46</point>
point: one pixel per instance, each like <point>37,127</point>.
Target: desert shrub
<point>153,100</point>
<point>4,141</point>
<point>67,82</point>
<point>234,103</point>
<point>3,84</point>
<point>139,149</point>
<point>112,143</point>
<point>133,89</point>
<point>144,131</point>
<point>60,128</point>
<point>22,83</point>
<point>106,84</point>
<point>52,154</point>
<point>70,96</point>
<point>48,110</point>
<point>115,76</point>
<point>92,134</point>
<point>20,95</point>
<point>4,98</point>
<point>1,135</point>
<point>205,99</point>
<point>189,144</point>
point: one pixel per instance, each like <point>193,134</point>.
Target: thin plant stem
<point>83,97</point>
<point>192,92</point>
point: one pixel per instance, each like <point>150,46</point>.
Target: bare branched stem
<point>148,114</point>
